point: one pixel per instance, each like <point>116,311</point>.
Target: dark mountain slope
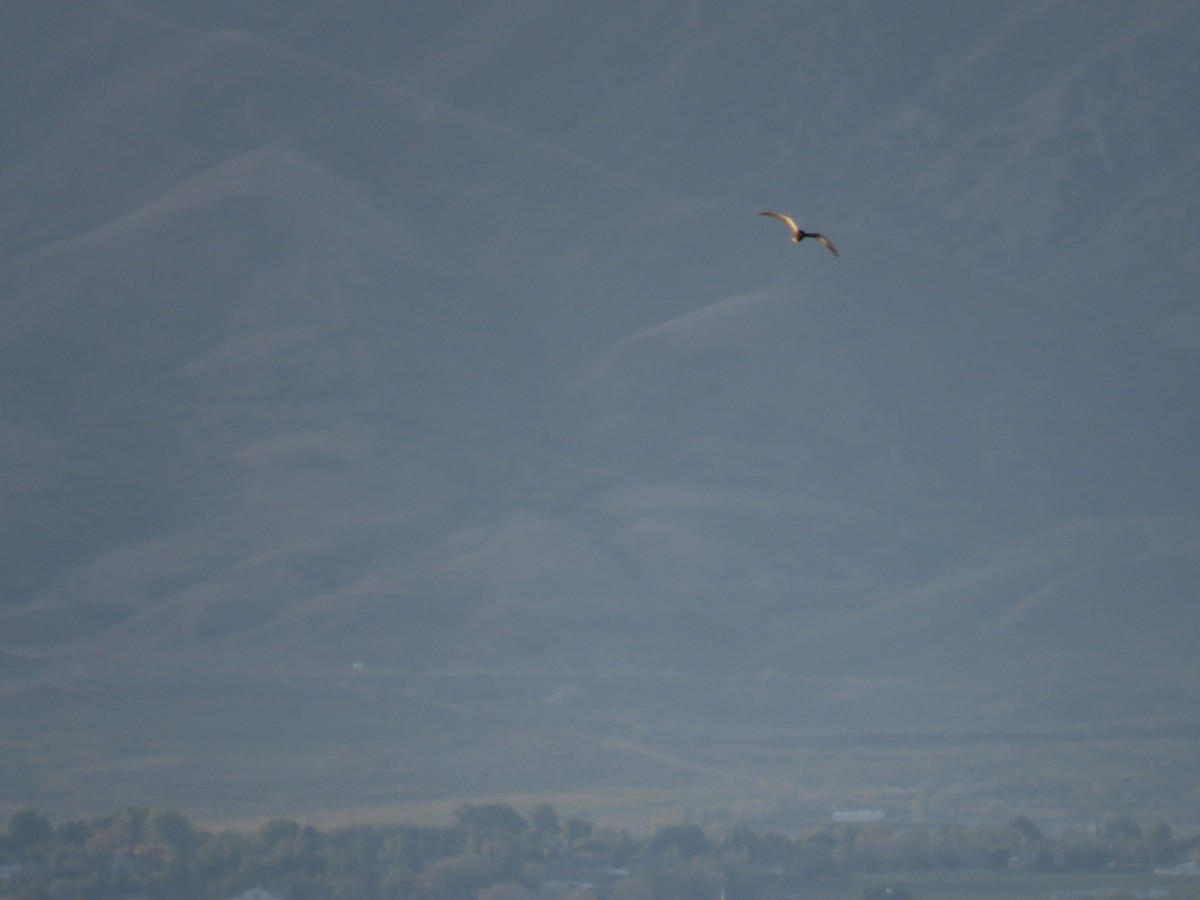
<point>451,342</point>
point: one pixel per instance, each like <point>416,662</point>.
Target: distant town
<point>492,851</point>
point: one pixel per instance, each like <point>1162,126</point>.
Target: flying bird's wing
<point>784,219</point>
<point>827,242</point>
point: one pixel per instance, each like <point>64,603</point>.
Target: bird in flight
<point>798,234</point>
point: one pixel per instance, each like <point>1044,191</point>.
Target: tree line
<point>493,852</point>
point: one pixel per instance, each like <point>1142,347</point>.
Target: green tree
<point>1024,827</point>
<point>490,817</point>
<point>545,819</point>
<point>1160,843</point>
<point>27,830</point>
<point>74,832</point>
<point>130,825</point>
<point>217,857</point>
<point>1122,826</point>
<point>171,827</point>
<point>288,848</point>
<point>455,876</point>
<point>578,829</point>
<point>688,841</point>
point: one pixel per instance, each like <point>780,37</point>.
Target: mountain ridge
<point>314,355</point>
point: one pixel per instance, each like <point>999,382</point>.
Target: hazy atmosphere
<point>405,404</point>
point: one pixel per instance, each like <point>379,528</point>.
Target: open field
<point>335,749</point>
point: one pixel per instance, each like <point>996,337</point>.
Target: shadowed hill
<point>450,343</point>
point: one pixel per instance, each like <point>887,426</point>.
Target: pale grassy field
<point>341,749</point>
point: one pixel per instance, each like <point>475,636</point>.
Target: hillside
<point>451,344</point>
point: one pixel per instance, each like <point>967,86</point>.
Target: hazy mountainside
<point>451,341</point>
